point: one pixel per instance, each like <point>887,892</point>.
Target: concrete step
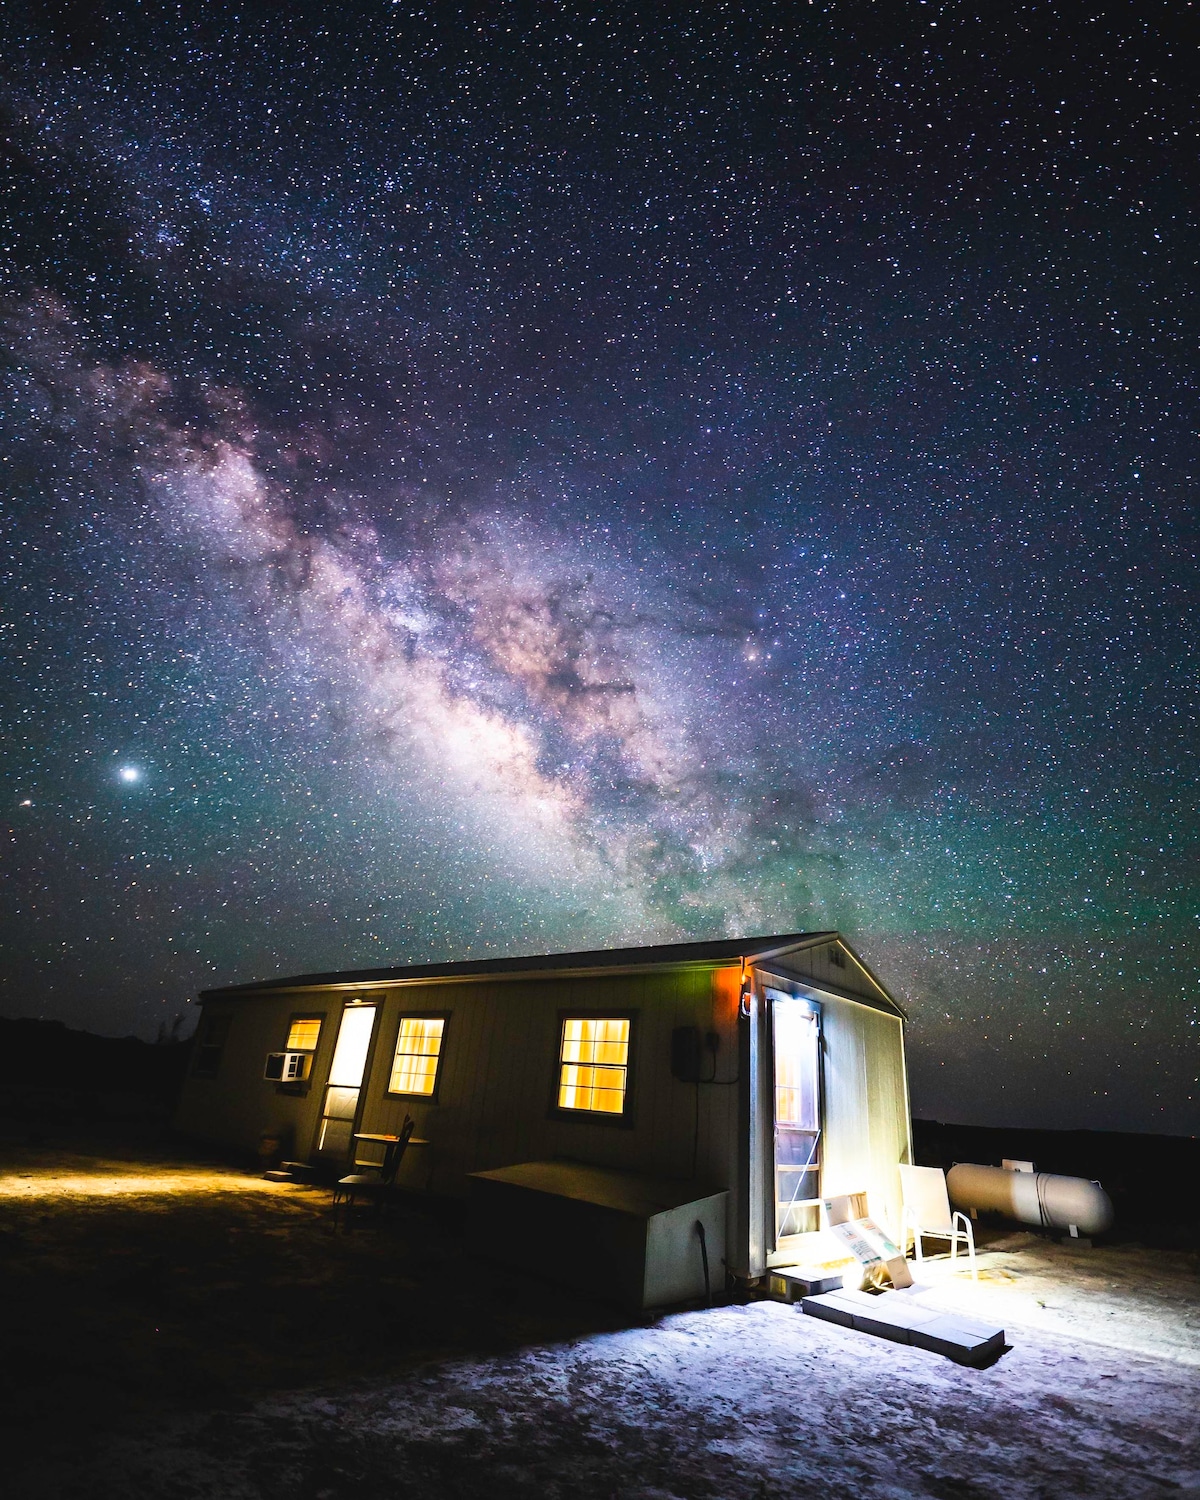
<point>793,1283</point>
<point>906,1320</point>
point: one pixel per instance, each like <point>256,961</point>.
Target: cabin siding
<point>815,966</point>
<point>866,1131</point>
<point>866,1106</point>
<point>236,1106</point>
<point>498,1072</point>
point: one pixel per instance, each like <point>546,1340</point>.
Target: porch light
<point>747,993</point>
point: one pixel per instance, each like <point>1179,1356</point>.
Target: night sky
<point>500,478</point>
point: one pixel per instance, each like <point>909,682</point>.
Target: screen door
<point>795,1039</point>
<point>340,1110</point>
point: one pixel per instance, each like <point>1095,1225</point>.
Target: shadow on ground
<point>140,1283</point>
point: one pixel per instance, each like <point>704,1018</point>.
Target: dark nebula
<point>502,478</point>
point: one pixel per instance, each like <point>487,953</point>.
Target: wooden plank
<point>608,1187</point>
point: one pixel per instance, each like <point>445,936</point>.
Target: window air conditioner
<point>287,1067</point>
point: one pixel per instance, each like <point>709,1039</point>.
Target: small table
<point>389,1144</point>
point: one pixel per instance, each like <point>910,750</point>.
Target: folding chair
<point>927,1212</point>
<point>375,1187</point>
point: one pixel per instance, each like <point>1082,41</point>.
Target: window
<point>210,1043</point>
<point>797,1093</point>
<point>304,1034</point>
<point>593,1064</point>
<point>290,1068</point>
<point>418,1053</point>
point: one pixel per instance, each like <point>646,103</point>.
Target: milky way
<point>538,477</point>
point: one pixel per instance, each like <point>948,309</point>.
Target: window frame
<point>320,1016</point>
<point>301,1086</point>
<point>222,1021</point>
<point>622,1121</point>
<point>418,1015</point>
<point>772,992</point>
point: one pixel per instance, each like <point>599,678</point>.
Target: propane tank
<point>1032,1197</point>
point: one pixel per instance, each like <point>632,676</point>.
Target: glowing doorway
<point>796,1045</point>
<point>344,1085</point>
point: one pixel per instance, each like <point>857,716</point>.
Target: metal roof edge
<point>712,954</point>
<point>875,980</point>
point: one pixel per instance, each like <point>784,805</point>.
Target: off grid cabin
<point>748,1078</point>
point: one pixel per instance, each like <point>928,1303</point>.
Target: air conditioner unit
<point>287,1067</point>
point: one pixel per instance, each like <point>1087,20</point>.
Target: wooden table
<point>389,1144</point>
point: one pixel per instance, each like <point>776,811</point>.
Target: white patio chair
<point>927,1212</point>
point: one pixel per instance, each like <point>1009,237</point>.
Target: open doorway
<point>339,1110</point>
<point>796,1049</point>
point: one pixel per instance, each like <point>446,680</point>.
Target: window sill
<point>594,1117</point>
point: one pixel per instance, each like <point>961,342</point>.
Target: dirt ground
<point>176,1330</point>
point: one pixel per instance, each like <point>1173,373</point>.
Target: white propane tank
<point>1032,1197</point>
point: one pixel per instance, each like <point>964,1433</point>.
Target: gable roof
<point>628,960</point>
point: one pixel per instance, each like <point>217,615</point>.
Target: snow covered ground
<point>1098,1395</point>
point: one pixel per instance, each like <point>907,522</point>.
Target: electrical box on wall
<point>685,1054</point>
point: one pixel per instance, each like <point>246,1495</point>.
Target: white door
<point>335,1136</point>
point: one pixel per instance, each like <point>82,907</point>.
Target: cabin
<point>727,1087</point>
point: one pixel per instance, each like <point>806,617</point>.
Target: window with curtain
<point>418,1055</point>
<point>304,1034</point>
<point>593,1064</point>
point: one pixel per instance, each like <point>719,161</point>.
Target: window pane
<point>594,1064</point>
<point>341,1103</point>
<point>353,1043</point>
<point>797,1116</point>
<point>797,1066</point>
<point>303,1036</point>
<point>418,1047</point>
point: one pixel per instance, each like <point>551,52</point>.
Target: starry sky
<point>497,478</point>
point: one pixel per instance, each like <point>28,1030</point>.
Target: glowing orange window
<point>593,1064</point>
<point>418,1052</point>
<point>304,1034</point>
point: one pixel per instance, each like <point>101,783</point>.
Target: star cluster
<point>509,478</point>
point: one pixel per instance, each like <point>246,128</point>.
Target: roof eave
<point>834,989</point>
<point>752,950</point>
